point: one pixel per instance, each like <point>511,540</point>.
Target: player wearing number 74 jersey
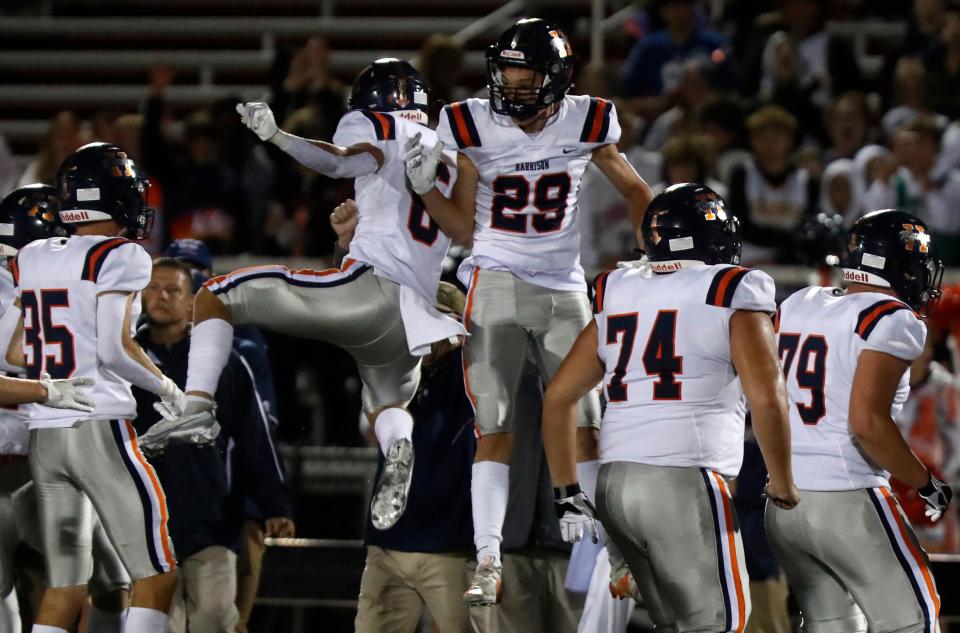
<point>848,551</point>
<point>677,341</point>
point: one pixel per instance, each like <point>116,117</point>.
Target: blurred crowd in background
<point>756,98</point>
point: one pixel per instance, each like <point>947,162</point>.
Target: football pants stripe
<point>909,555</point>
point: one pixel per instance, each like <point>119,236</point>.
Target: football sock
<point>392,425</point>
<point>489,491</point>
<point>210,345</point>
<point>43,628</point>
<point>142,620</point>
<point>587,475</point>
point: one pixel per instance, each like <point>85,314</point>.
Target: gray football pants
<point>853,560</point>
<point>509,318</point>
<point>678,532</point>
<point>350,307</point>
<point>95,469</point>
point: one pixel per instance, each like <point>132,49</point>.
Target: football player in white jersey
<point>848,551</point>
<point>28,214</point>
<point>380,305</point>
<point>520,157</point>
<point>677,340</point>
<point>79,296</point>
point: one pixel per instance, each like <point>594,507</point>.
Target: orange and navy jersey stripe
<point>910,556</point>
<point>461,124</point>
<point>599,287</point>
<point>724,285</point>
<point>597,123</point>
<point>869,317</point>
<point>97,255</point>
<point>383,125</point>
<point>15,270</point>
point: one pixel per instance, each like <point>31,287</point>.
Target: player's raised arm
<point>330,160</point>
<point>754,355</point>
<point>455,215</point>
<point>625,178</point>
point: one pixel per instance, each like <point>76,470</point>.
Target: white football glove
<point>65,394</point>
<point>259,118</point>
<point>194,424</point>
<point>937,494</point>
<point>421,165</point>
<point>577,515</point>
<point>172,398</point>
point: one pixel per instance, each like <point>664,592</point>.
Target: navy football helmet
<point>537,45</point>
<point>690,221</point>
<point>28,214</point>
<point>391,85</point>
<point>893,249</point>
<point>100,182</point>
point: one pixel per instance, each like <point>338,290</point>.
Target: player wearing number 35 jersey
<point>848,551</point>
<point>678,340</point>
<point>79,297</point>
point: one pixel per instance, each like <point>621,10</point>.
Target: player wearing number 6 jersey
<point>848,551</point>
<point>381,304</point>
<point>521,154</point>
<point>677,341</point>
<point>79,297</point>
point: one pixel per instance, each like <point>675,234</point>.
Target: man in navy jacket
<point>203,524</point>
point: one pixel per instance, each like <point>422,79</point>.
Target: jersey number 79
<point>811,371</point>
<point>659,356</point>
<point>39,329</point>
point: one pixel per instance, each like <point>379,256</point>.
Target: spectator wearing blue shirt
<point>655,63</point>
<point>203,525</point>
<point>249,344</point>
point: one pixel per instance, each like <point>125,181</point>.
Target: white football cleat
<point>390,495</point>
<point>484,589</point>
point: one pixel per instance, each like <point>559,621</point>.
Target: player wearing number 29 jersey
<point>521,154</point>
<point>848,551</point>
<point>527,221</point>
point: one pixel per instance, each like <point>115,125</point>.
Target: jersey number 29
<point>659,356</point>
<point>39,329</point>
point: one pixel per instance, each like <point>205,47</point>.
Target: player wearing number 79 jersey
<point>848,551</point>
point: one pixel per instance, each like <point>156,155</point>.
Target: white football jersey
<point>673,396</point>
<point>14,435</point>
<point>395,235</point>
<point>820,334</point>
<point>58,280</point>
<point>527,219</point>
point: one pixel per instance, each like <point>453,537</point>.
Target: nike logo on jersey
<point>567,150</point>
